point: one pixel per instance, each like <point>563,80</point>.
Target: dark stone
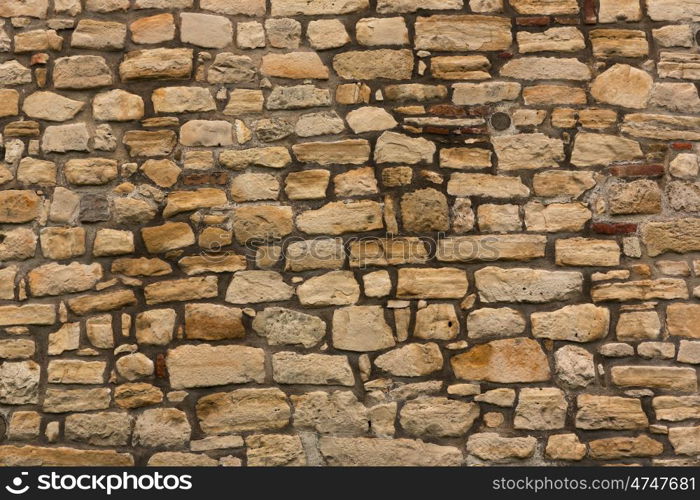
<point>219,178</point>
<point>637,170</point>
<point>94,208</point>
<point>532,21</point>
<point>272,129</point>
<point>589,14</point>
<point>500,121</point>
<point>161,367</point>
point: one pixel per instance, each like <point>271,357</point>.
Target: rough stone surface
<point>349,232</point>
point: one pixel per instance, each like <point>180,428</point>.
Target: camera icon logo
<point>16,488</point>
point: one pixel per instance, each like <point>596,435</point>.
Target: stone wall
<point>412,232</point>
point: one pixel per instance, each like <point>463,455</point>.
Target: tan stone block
<point>683,320</point>
<point>156,64</point>
<point>494,448</point>
<point>485,93</point>
<point>411,360</point>
<point>327,34</point>
<point>298,65</point>
<point>338,218</point>
<point>181,290</point>
<point>371,64</point>
<point>22,456</point>
<point>622,447</point>
<point>544,95</point>
<point>436,417</point>
<point>663,288</point>
<point>346,451</point>
<point>556,217</point>
<point>431,283</point>
<point>676,408</point>
<point>90,171</point>
<point>491,248</point>
<point>361,329</point>
<point>565,447</point>
<point>503,361</point>
<point>542,408</point>
<point>137,395</point>
<point>72,400</point>
<point>373,31</point>
<point>243,410</point>
<point>577,323</point>
<point>565,39</point>
<point>314,369</point>
<point>356,182</point>
<point>349,151</point>
<point>486,185</point>
<point>274,450</point>
<point>460,67</point>
<point>462,32</point>
<point>658,377</point>
<point>62,242</point>
<point>546,68</point>
<point>586,252</point>
<point>679,235</point>
<point>69,371</point>
<point>169,236</point>
<point>81,72</point>
<point>618,43</point>
<point>609,412</point>
<point>526,285</point>
<point>153,29</point>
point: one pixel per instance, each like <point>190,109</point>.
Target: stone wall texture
<point>349,232</point>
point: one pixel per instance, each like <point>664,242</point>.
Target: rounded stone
<point>500,121</point>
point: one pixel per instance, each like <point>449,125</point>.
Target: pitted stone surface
<point>343,232</point>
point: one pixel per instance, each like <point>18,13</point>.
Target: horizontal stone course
<point>349,232</point>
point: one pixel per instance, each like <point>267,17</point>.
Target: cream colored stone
<point>361,329</point>
<point>371,64</point>
<point>257,286</point>
<point>577,323</point>
<point>153,29</point>
<point>297,65</point>
<point>313,369</point>
<point>546,68</point>
<point>333,288</point>
<point>327,34</point>
<point>485,93</point>
<point>412,360</point>
<point>526,285</point>
<point>203,365</point>
<point>565,39</point>
<point>372,31</point>
<point>623,85</point>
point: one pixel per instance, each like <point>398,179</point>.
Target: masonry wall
<point>343,232</point>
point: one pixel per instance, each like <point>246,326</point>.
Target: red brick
<point>161,368</point>
<point>614,227</point>
<point>682,146</point>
